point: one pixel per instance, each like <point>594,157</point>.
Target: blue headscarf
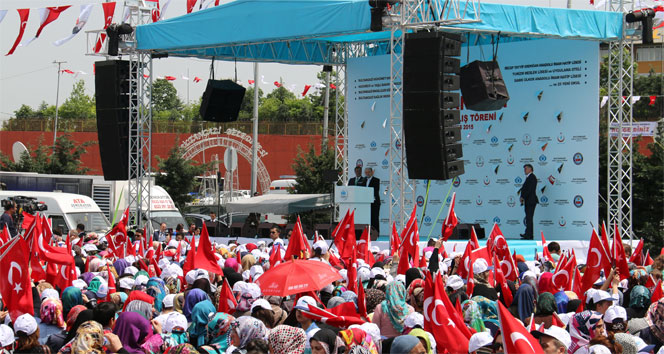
<point>394,305</point>
<point>194,296</point>
<point>71,297</point>
<point>200,316</point>
<point>349,296</point>
<point>524,301</point>
<point>157,289</point>
<point>561,301</point>
<point>488,309</point>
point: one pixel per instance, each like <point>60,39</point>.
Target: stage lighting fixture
<point>378,8</point>
<point>114,31</point>
<point>645,16</point>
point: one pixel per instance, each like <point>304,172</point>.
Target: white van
<point>66,210</point>
<point>163,209</point>
<point>282,185</point>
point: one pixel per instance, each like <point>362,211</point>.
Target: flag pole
<point>442,205</point>
<point>57,97</point>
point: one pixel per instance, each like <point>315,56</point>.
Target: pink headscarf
<point>232,263</point>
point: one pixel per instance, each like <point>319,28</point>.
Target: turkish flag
<point>42,234</point>
<point>277,84</point>
<point>15,284</point>
<point>451,220</point>
<point>205,258</point>
<point>111,284</point>
<point>464,267</point>
<point>306,89</point>
<point>109,11</point>
<point>361,300</point>
<point>500,279</point>
<point>657,292</point>
<point>637,256</point>
<point>597,260</point>
<point>363,245</point>
<point>473,238</point>
<point>647,260</point>
<point>652,100</point>
<point>190,5</point>
<point>394,240</point>
<point>275,257</point>
<point>619,256</point>
<point>189,261</point>
<point>438,322</point>
<point>4,235</point>
<point>23,15</point>
<point>28,219</point>
<point>170,78</point>
<point>347,248</point>
<point>352,273</point>
<point>52,14</point>
<point>545,250</point>
<point>605,240</point>
<point>298,244</point>
<point>227,302</point>
<point>326,316</point>
<point>562,279</point>
<point>456,317</point>
<point>516,338</point>
<point>409,232</point>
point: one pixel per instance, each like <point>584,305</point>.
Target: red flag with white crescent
<point>23,16</point>
<point>227,302</point>
<point>48,15</point>
<point>438,322</point>
<point>451,220</point>
<point>15,284</point>
<point>516,338</point>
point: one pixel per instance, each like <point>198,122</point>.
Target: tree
<point>165,97</point>
<point>66,160</point>
<point>178,176</point>
<point>78,105</point>
<point>247,107</point>
<point>25,112</point>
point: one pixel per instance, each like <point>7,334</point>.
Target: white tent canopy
<point>280,204</point>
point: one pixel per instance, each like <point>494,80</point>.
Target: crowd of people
<point>178,313</point>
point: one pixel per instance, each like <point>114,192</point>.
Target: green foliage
<point>177,176</point>
<point>78,106</point>
<point>165,98</point>
<point>65,160</point>
<point>247,107</point>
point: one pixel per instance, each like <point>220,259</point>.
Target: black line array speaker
<point>431,105</point>
<point>483,87</point>
<point>221,101</point>
<point>112,99</point>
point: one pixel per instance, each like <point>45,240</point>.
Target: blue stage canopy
<point>321,31</point>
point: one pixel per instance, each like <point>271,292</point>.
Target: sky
<point>29,76</point>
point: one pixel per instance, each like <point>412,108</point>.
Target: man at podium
<point>358,180</point>
<point>374,183</point>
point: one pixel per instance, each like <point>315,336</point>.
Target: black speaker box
<point>221,101</point>
<point>112,105</point>
<point>462,232</point>
<point>482,86</point>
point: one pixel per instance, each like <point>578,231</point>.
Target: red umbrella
<point>297,276</point>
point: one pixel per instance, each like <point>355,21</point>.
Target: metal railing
<point>90,125</point>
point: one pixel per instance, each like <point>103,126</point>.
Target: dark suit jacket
<point>375,184</point>
<point>529,190</point>
<point>355,181</point>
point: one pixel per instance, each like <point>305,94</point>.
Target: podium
<point>354,197</point>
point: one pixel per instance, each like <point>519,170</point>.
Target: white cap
<point>344,274</point>
<point>79,283</point>
<point>400,277</point>
<point>168,300</point>
<point>372,330</point>
<point>253,289</point>
<point>262,303</point>
<point>322,245</point>
<point>126,283</point>
<point>172,271</point>
<point>377,271</point>
<point>239,286</point>
<point>479,340</point>
<point>130,270</point>
<point>614,312</point>
<point>49,293</point>
<point>528,274</point>
<point>131,259</point>
<point>480,266</point>
<point>26,324</point>
<point>556,332</point>
<point>103,290</point>
<point>141,280</point>
<point>374,249</point>
<point>601,295</point>
<point>89,247</point>
<point>455,282</point>
<point>598,349</point>
<point>175,319</point>
<point>414,319</point>
<point>256,271</point>
<point>304,302</point>
<point>246,275</point>
<point>173,243</point>
<point>6,335</point>
<point>364,274</point>
<point>163,263</point>
<point>190,277</point>
<point>202,274</point>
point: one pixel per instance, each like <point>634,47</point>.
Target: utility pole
<point>254,145</point>
<point>57,97</point>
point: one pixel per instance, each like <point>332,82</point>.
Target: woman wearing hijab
<point>89,339</point>
<point>357,340</point>
<point>583,327</point>
<point>639,301</point>
<point>83,316</point>
<point>561,302</point>
<point>546,306</point>
<point>472,315</point>
<point>217,339</point>
<point>390,314</point>
<point>58,340</point>
<point>52,321</point>
<point>193,297</point>
<point>405,344</point>
<point>156,288</point>
<point>524,302</point>
<point>200,317</point>
<point>654,333</point>
<point>326,341</point>
<point>488,309</point>
<point>136,333</point>
<point>374,298</point>
<point>416,294</point>
<point>71,297</point>
<point>243,330</point>
<point>286,340</point>
<point>120,266</point>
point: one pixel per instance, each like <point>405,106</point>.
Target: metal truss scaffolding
<point>411,15</point>
<point>620,90</point>
<point>341,125</point>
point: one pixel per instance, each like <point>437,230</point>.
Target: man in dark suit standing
<point>528,199</point>
<point>374,183</point>
<point>358,180</point>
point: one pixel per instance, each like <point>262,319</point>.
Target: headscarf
<point>132,329</point>
<point>349,296</point>
<point>423,335</point>
<point>545,283</point>
<point>353,337</point>
<point>331,343</point>
<point>83,316</point>
<point>374,298</point>
<point>639,297</point>
<point>655,319</point>
<point>472,315</point>
<point>337,300</point>
<point>178,303</point>
<point>194,296</point>
<point>51,312</point>
<point>546,305</point>
<point>524,301</point>
<point>581,328</point>
<point>141,307</point>
<point>248,261</point>
<point>338,290</point>
<point>203,284</point>
<point>404,344</point>
<point>182,349</point>
<point>248,328</point>
<point>89,339</point>
<point>561,301</point>
<point>87,277</point>
<point>120,266</point>
<point>232,263</point>
<point>137,295</point>
<point>200,316</point>
<point>173,285</point>
<point>394,305</point>
<point>488,308</point>
<point>71,297</point>
<point>287,340</point>
<point>412,274</point>
<point>156,288</point>
<point>73,314</point>
<point>628,343</point>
